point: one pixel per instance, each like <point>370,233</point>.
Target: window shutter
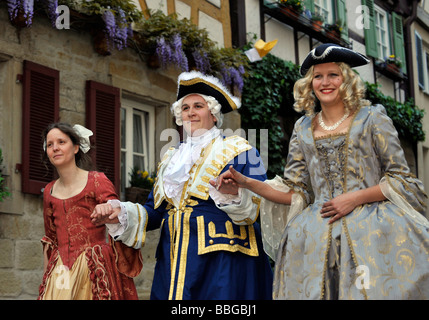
<point>103,118</point>
<point>342,16</point>
<point>370,33</point>
<point>398,40</point>
<point>420,66</point>
<point>40,108</point>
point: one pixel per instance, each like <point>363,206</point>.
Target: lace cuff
<point>275,217</point>
<point>398,200</point>
<point>116,229</point>
<point>223,199</point>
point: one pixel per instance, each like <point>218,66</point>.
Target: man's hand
<point>104,213</point>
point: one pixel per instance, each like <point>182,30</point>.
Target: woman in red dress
<point>79,261</point>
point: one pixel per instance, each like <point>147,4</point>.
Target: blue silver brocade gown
<point>379,250</point>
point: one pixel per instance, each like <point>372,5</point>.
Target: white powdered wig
<point>213,105</point>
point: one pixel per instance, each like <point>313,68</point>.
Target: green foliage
<point>4,192</point>
<point>98,7</point>
<point>193,39</point>
<point>267,97</point>
<point>406,116</point>
<point>160,25</point>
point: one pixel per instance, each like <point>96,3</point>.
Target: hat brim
<point>196,82</point>
<point>330,52</point>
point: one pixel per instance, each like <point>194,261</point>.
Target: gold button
<point>231,242</point>
<point>246,244</point>
<point>211,241</point>
<point>206,190</point>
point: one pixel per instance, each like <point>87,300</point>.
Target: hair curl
<point>352,91</point>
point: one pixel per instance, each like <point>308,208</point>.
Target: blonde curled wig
<point>352,91</point>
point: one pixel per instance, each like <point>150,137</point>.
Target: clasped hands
<point>104,213</point>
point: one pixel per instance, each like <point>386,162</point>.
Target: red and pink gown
<point>82,262</point>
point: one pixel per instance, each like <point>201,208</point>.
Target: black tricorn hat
<point>329,52</point>
<point>197,82</point>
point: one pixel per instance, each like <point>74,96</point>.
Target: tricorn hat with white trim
<point>329,52</point>
<point>196,82</point>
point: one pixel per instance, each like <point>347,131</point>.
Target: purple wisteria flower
<point>25,6</point>
<point>122,30</point>
<point>232,76</point>
<point>202,61</point>
<point>172,52</point>
<point>179,55</point>
<point>117,28</point>
<point>52,6</point>
<point>163,51</point>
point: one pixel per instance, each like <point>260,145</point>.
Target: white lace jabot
<point>177,171</point>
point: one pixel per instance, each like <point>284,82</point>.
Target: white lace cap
<point>84,133</point>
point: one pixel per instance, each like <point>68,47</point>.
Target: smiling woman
<point>78,263</point>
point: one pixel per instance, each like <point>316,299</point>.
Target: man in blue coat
<point>210,243</point>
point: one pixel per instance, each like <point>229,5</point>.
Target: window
<point>384,35</point>
<point>40,108</point>
<point>137,139</point>
<point>324,8</point>
<point>420,60</point>
<point>381,34</point>
<point>333,11</point>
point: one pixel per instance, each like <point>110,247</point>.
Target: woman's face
<point>59,148</point>
<point>327,79</point>
<point>196,116</point>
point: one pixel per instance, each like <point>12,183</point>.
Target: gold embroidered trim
<point>183,255</point>
<point>251,250</point>
<point>140,218</point>
<point>229,231</point>
<point>199,80</point>
<point>352,251</point>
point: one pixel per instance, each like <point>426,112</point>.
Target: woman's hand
<point>339,207</point>
<point>104,213</point>
<point>229,181</point>
<point>347,202</point>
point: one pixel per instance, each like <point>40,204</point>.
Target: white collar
<point>177,171</point>
<point>205,138</point>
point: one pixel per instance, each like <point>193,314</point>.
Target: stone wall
<point>72,53</point>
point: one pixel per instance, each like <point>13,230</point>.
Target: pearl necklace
<point>334,126</point>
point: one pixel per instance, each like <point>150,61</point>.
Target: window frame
<point>131,107</point>
<point>387,41</point>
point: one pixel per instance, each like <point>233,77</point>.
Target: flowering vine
<point>171,52</point>
<point>117,27</point>
<point>175,42</point>
<point>25,7</point>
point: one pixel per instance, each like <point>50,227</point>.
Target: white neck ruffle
<point>177,172</point>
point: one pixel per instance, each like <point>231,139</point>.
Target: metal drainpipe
<point>409,51</point>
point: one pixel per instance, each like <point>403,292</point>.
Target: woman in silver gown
<point>346,220</point>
